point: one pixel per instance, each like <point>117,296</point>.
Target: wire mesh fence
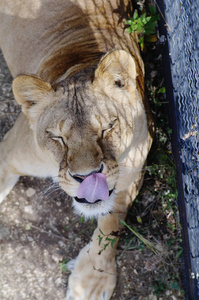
<point>180,25</point>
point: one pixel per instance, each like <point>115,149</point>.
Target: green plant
<point>107,240</point>
<point>144,26</point>
<point>150,245</point>
<point>159,286</point>
<point>63,265</point>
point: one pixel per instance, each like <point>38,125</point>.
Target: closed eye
<point>60,139</point>
<point>108,128</point>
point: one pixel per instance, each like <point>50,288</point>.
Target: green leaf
<point>108,239</point>
<point>152,10</point>
<point>101,232</point>
<point>100,239</point>
<point>143,18</point>
<point>179,252</point>
<point>139,219</point>
<point>129,30</point>
<point>113,242</point>
<point>162,90</point>
<point>148,19</point>
<point>106,245</point>
<point>135,15</point>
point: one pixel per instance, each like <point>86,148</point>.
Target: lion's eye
<point>60,139</point>
<point>108,128</point>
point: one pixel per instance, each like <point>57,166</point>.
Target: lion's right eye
<point>60,139</point>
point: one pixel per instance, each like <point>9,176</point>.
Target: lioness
<point>79,79</point>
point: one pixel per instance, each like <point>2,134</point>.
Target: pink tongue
<point>94,187</point>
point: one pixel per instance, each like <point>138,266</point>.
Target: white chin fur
<point>95,209</point>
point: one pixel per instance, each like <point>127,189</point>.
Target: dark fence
<point>180,27</point>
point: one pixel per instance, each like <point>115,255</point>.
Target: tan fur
<point>83,108</point>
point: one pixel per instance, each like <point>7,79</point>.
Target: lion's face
<point>86,126</point>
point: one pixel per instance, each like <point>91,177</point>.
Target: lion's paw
<point>93,276</point>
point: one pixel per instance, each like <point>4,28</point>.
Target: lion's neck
<point>81,37</point>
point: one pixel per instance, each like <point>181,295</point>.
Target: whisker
<point>51,191</point>
<point>52,188</point>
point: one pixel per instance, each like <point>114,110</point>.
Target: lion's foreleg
<point>7,182</point>
<point>94,270</point>
<point>8,177</point>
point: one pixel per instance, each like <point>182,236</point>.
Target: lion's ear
<point>117,65</point>
<point>30,90</point>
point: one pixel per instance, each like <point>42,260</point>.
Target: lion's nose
<point>81,177</point>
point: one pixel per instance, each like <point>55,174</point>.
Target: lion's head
<point>87,124</point>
